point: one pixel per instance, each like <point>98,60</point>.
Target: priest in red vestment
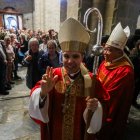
<point>117,77</point>
<point>59,102</point>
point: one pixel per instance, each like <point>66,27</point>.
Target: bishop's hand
<point>92,103</point>
<point>48,82</point>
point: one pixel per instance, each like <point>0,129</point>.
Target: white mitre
<point>119,37</point>
<point>73,36</point>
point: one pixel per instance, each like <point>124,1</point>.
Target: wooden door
<point>1,20</point>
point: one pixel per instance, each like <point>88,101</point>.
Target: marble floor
<point>15,123</point>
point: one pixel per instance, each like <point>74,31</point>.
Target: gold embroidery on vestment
<point>60,87</point>
<point>76,89</point>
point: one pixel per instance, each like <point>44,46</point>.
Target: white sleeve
<point>96,120</point>
<point>34,110</point>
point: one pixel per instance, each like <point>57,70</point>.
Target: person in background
<point>52,34</point>
<point>50,58</point>
<point>14,44</point>
<point>24,43</point>
<point>10,59</point>
<point>60,100</point>
<point>31,61</point>
<point>23,47</point>
<point>30,34</point>
<point>43,46</point>
<point>135,57</point>
<point>116,75</point>
<point>3,65</point>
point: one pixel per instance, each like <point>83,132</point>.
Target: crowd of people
<point>34,50</point>
<point>59,75</point>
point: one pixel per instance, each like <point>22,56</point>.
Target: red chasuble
<point>118,81</point>
<point>66,106</point>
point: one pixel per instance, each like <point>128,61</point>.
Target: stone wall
<point>52,14</point>
<point>28,20</point>
<point>128,12</point>
<point>72,8</point>
<point>46,15</point>
<point>109,15</point>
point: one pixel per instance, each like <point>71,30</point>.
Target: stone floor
<point>133,127</point>
<point>15,123</point>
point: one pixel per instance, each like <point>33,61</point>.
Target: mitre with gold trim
<point>73,36</point>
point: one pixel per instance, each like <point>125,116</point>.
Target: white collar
<point>115,60</point>
<point>72,74</point>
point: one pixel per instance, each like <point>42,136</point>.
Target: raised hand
<point>48,82</point>
<point>28,58</point>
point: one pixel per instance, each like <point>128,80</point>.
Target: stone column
<point>110,15</point>
<point>72,9</point>
<point>51,14</point>
<point>41,14</point>
<point>36,14</point>
<point>46,14</point>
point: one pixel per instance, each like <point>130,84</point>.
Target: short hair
<point>22,35</point>
<point>7,37</point>
<point>33,40</point>
<point>45,36</point>
<point>12,35</point>
<point>50,31</point>
<point>52,42</point>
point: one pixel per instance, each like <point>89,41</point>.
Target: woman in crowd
<point>10,59</point>
<point>24,46</point>
<point>43,46</point>
<point>15,44</point>
<point>31,61</point>
<point>51,58</point>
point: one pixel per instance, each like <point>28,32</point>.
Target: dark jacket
<point>44,61</point>
<point>33,72</point>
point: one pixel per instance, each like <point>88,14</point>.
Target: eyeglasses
<point>73,56</point>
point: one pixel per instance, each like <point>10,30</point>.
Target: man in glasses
<point>117,77</point>
<point>59,102</point>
